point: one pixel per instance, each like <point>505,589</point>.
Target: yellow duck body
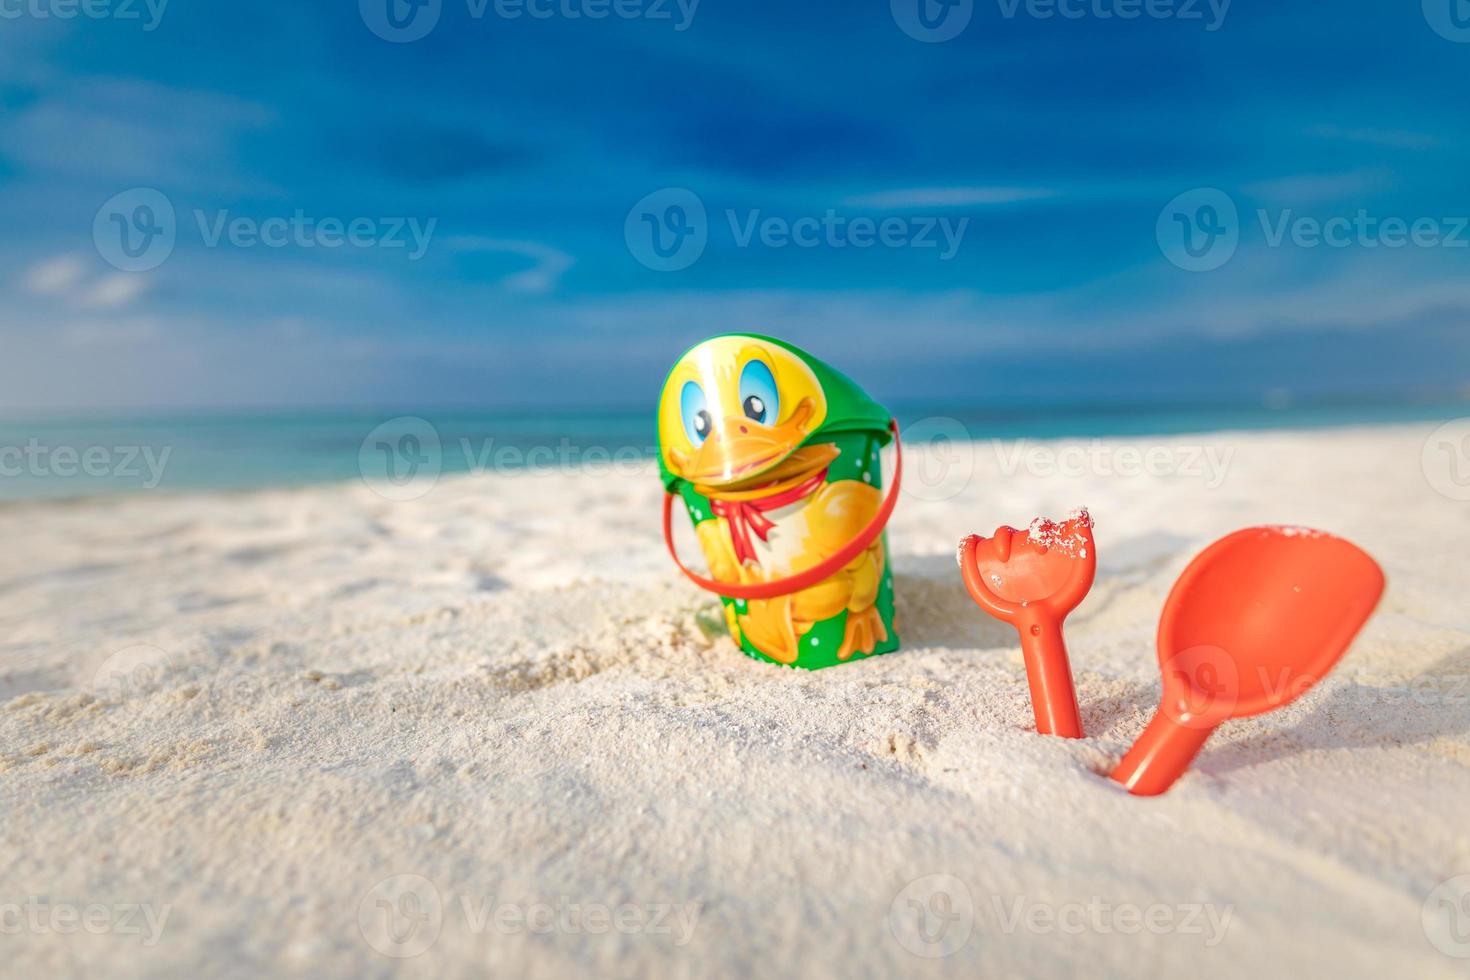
<point>805,534</point>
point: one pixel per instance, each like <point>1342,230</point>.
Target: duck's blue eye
<point>758,397</point>
<point>692,410</point>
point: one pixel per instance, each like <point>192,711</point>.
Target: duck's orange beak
<point>740,448</point>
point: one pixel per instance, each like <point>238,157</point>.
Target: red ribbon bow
<point>745,516</point>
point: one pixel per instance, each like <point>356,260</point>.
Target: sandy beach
<point>490,730</point>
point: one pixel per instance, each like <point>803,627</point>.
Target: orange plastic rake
<point>1032,579</point>
<point>1255,620</point>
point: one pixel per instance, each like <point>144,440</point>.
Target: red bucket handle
<point>813,575</point>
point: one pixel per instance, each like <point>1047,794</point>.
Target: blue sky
<point>1054,149</point>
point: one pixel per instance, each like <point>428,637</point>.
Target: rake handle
<point>1049,675</point>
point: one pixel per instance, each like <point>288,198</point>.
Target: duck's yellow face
<point>733,408</point>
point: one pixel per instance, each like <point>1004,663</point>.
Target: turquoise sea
<point>79,457</point>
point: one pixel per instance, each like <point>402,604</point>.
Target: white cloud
<point>66,278</point>
<point>55,275</point>
<point>114,291</point>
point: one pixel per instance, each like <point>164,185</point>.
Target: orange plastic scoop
<point>1255,620</point>
<point>1032,579</point>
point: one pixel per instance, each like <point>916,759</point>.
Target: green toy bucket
<point>776,458</point>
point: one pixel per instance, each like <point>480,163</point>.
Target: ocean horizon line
<point>1282,401</point>
<point>82,457</point>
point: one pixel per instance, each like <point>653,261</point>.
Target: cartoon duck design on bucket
<point>775,456</point>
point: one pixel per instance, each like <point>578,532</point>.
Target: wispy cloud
<point>1400,138</point>
<point>1317,188</point>
<point>114,291</point>
<point>542,277</point>
<point>54,275</point>
<point>69,282</point>
<point>125,130</point>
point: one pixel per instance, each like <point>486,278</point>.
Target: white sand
<point>503,688</point>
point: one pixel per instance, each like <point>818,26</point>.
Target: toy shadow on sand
<point>1434,704</point>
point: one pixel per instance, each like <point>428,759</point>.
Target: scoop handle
<point>1049,675</point>
<point>1160,756</point>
